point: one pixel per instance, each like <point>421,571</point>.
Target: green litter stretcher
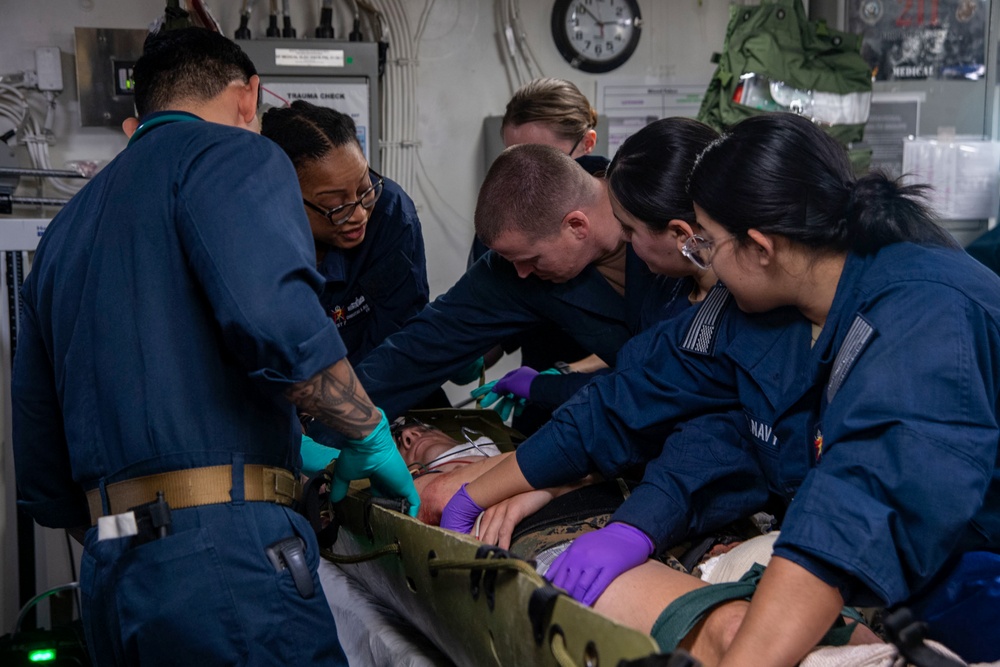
<point>476,605</point>
<point>407,594</point>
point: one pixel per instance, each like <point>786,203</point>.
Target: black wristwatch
<point>562,367</point>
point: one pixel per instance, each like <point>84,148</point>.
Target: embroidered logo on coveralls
<point>357,307</point>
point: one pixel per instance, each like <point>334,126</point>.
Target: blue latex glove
<point>376,457</point>
<point>595,559</point>
<point>461,512</point>
<point>470,373</point>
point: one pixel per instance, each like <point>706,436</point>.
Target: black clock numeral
<point>586,45</point>
<point>578,35</point>
<point>598,50</point>
<point>618,37</point>
<point>619,11</point>
<point>610,46</point>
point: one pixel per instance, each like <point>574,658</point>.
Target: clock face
<point>596,35</point>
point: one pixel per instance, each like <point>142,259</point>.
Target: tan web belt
<point>195,487</point>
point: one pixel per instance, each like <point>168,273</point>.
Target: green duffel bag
<point>775,59</point>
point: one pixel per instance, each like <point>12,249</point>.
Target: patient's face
<point>420,443</point>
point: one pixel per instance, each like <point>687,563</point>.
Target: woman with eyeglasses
<point>369,246</point>
<point>647,186</point>
<point>861,348</point>
<point>553,112</point>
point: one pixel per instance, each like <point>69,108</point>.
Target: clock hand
<point>600,23</point>
<point>596,18</point>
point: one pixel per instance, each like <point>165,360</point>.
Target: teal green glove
<point>470,373</point>
<point>505,403</point>
<point>316,457</point>
<point>375,457</point>
<point>486,394</point>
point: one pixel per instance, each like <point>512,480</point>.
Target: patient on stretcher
<point>441,464</point>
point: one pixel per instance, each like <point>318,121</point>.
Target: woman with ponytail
<point>860,347</point>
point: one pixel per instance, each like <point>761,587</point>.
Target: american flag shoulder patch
<point>857,339</point>
<point>700,336</point>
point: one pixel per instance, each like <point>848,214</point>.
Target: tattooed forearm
<point>335,397</point>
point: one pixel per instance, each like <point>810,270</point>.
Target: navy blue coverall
<point>375,287</point>
<point>883,435</point>
<point>542,346</point>
<point>169,306</point>
<point>666,298</point>
<point>490,303</point>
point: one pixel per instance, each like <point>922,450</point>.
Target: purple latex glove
<point>595,559</point>
<point>461,512</point>
<point>517,382</point>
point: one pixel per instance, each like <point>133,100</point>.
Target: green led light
<point>350,60</point>
<point>42,655</point>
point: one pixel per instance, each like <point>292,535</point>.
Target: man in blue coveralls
<point>557,256</point>
<point>170,322</point>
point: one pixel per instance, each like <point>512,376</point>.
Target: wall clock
<point>596,35</point>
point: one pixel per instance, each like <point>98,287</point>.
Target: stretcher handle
<point>558,646</point>
<point>520,566</point>
<point>341,559</point>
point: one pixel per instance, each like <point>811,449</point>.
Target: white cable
<point>510,31</point>
<point>399,102</point>
<point>388,131</point>
<point>401,155</point>
<point>507,53</point>
<point>409,94</point>
<point>389,100</point>
<point>532,64</point>
<point>33,136</point>
<point>409,103</point>
<point>421,26</point>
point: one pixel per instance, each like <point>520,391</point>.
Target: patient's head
<point>419,442</point>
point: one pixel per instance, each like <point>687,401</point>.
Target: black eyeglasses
<point>338,215</point>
